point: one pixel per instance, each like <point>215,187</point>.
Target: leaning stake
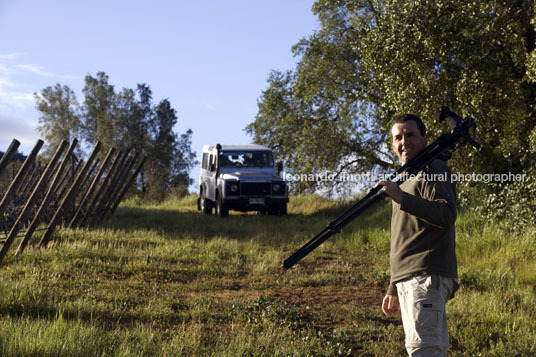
<point>51,225</point>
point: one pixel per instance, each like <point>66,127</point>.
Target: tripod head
<point>459,125</point>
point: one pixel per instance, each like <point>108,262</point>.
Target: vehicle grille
<point>256,188</point>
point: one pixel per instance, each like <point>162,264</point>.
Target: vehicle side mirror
<point>279,166</point>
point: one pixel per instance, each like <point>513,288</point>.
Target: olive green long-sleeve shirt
<point>422,226</point>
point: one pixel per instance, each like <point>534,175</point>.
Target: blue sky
<point>211,59</point>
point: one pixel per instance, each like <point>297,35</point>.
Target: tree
<point>98,111</point>
<point>171,158</point>
<point>469,55</point>
<point>183,162</point>
<point>319,117</point>
<point>371,60</point>
<point>133,117</point>
<point>60,116</point>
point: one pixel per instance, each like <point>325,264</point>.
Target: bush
<point>512,206</point>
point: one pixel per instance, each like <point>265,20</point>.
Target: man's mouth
<point>406,153</point>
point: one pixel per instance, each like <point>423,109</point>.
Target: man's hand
<point>392,190</point>
<point>390,305</point>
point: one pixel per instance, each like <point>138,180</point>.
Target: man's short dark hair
<point>407,117</point>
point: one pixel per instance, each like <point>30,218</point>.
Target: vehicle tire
<point>221,209</point>
<point>204,205</point>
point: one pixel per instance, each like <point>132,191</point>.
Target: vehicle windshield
<point>246,159</point>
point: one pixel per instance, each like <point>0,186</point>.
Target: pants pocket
<point>427,325</point>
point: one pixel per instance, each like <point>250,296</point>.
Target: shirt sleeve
<point>392,289</point>
<point>437,204</point>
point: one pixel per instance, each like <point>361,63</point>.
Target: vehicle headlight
<point>232,188</point>
<point>277,187</point>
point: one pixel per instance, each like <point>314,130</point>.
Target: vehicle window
<point>246,159</point>
<point>204,165</point>
<point>212,166</point>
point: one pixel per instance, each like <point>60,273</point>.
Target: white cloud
<point>6,67</point>
<point>18,82</point>
<point>17,128</point>
<point>17,78</point>
<point>11,97</point>
<point>16,102</point>
<point>10,56</point>
<point>39,71</point>
<point>209,106</point>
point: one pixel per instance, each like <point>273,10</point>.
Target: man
<point>423,258</point>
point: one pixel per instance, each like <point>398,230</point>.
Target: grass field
<point>165,280</point>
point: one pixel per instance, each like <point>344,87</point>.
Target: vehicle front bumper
<point>253,203</point>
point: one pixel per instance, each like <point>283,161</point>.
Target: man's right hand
<point>392,190</point>
<point>390,305</point>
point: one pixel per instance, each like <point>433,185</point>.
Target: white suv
<point>241,177</point>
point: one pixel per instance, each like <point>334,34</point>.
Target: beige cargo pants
<point>422,301</point>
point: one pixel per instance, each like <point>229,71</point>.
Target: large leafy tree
<point>133,118</point>
<point>99,119</point>
<point>60,116</point>
<point>164,151</point>
<point>469,55</point>
<point>371,60</point>
<point>317,117</point>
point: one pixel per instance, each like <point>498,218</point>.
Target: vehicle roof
<point>237,147</point>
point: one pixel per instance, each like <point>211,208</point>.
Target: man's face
<point>407,140</point>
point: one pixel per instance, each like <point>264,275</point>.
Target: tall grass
<point>165,280</point>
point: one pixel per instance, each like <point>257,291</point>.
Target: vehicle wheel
<point>221,209</point>
<point>204,205</point>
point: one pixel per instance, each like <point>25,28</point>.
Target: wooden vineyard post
<point>114,189</point>
<point>91,189</point>
<point>102,189</point>
<point>63,185</point>
<point>119,189</point>
<point>52,224</point>
<point>29,204</point>
<point>109,189</point>
<point>20,174</point>
<point>8,155</point>
<point>126,187</point>
<point>44,204</point>
<point>29,181</point>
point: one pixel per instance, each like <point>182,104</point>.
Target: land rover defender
<point>242,178</point>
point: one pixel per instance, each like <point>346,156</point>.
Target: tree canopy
<point>60,115</point>
<point>372,60</point>
<point>126,120</point>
